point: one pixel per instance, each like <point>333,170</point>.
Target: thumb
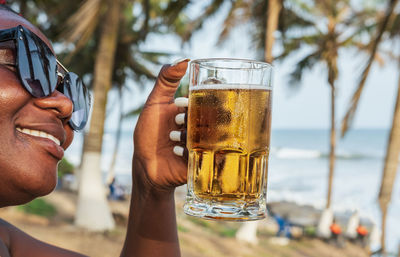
<point>168,82</point>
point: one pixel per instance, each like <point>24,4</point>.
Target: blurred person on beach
<point>116,191</point>
<point>336,234</point>
<point>284,228</point>
<point>37,129</point>
<point>362,235</point>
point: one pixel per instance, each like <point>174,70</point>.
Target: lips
<point>38,133</point>
<point>49,137</point>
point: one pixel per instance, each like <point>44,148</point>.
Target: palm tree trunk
<point>398,253</point>
<point>332,148</point>
<point>93,211</point>
<point>383,228</point>
<point>274,8</point>
<point>23,7</point>
<point>390,166</point>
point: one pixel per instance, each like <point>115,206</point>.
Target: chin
<point>42,188</point>
<point>27,194</point>
<point>40,184</point>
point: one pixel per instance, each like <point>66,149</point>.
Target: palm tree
<point>389,22</point>
<point>390,167</point>
<point>398,252</point>
<point>116,39</point>
<point>266,17</point>
<point>274,9</point>
<point>336,25</point>
<point>92,210</point>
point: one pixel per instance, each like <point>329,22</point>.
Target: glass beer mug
<point>228,135</point>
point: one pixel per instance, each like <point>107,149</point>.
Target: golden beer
<point>228,141</point>
<point>228,134</point>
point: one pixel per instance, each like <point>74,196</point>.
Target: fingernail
<point>175,136</point>
<point>182,102</point>
<point>180,119</point>
<point>179,61</point>
<point>178,150</point>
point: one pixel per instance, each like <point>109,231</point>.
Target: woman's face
<point>28,163</point>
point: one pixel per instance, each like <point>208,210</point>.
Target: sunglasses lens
<point>36,63</point>
<point>75,90</point>
<point>37,67</point>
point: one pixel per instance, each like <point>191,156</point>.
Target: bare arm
<point>20,244</point>
<point>152,226</point>
<point>152,229</point>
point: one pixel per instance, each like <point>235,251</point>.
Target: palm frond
<point>239,13</point>
<point>349,117</point>
<point>291,45</point>
<point>173,10</point>
<point>144,30</point>
<point>394,29</point>
<point>197,23</point>
<point>291,18</point>
<point>154,57</point>
<point>80,27</point>
<point>361,30</point>
<point>305,63</point>
<point>139,68</point>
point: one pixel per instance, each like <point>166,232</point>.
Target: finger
<point>168,81</point>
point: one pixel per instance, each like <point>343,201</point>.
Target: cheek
<point>70,136</point>
<point>12,94</point>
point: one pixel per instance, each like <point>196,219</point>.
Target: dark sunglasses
<point>39,72</point>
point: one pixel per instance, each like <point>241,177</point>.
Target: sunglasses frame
<point>31,52</point>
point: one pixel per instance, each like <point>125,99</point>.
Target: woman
<point>38,119</point>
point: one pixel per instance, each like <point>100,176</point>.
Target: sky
<point>308,107</point>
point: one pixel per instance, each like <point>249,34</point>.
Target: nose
<point>58,103</point>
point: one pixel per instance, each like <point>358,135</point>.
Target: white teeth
<point>35,133</point>
<point>38,133</point>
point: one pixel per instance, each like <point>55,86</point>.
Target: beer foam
<point>230,86</point>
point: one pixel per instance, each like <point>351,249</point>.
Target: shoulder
<point>15,242</point>
<point>5,232</point>
<point>4,239</point>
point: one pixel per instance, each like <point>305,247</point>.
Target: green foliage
<point>183,89</point>
<point>182,229</point>
<point>310,231</point>
<point>330,28</point>
<point>134,112</point>
<point>200,222</point>
<point>228,232</point>
<point>39,207</point>
<point>65,167</point>
<point>138,19</point>
<point>224,229</point>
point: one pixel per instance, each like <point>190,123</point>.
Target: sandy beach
<point>198,238</point>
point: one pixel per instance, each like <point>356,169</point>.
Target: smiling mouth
<point>37,133</point>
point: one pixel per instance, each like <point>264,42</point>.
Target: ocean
<point>298,171</point>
